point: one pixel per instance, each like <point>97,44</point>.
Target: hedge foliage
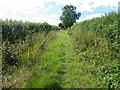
<point>19,38</point>
<point>13,30</point>
<point>108,27</point>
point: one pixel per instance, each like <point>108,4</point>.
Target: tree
<point>60,25</point>
<point>69,16</point>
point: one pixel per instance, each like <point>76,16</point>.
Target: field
<point>39,55</point>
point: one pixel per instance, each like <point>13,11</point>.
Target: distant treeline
<point>13,30</point>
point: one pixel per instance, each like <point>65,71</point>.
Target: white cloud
<point>51,19</point>
<point>35,10</point>
<point>17,8</point>
<point>85,6</point>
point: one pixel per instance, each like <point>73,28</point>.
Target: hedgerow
<point>13,30</point>
<point>97,40</point>
<point>19,37</point>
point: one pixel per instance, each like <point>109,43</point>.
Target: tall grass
<point>22,46</point>
<point>28,60</point>
<point>97,46</point>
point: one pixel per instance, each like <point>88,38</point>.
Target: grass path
<point>53,67</point>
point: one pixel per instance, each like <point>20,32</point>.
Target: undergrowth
<point>84,56</point>
<point>49,72</point>
<point>97,45</point>
<point>28,56</point>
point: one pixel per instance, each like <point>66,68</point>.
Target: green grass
<point>85,56</point>
<point>71,59</point>
<point>62,65</point>
<point>53,63</point>
<point>96,60</point>
<point>16,75</point>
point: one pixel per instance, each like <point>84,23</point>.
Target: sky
<point>50,10</point>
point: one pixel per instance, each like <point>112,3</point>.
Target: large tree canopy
<point>69,16</point>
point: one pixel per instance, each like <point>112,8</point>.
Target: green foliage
<point>12,53</point>
<point>97,44</point>
<point>13,30</point>
<point>10,56</point>
<point>21,42</point>
<point>107,26</point>
<point>18,37</point>
<point>29,54</point>
<point>69,16</point>
<point>49,73</point>
<point>87,58</point>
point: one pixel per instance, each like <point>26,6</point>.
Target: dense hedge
<point>13,30</point>
<point>108,27</point>
<point>20,37</point>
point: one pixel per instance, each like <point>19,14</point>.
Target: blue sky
<point>50,10</point>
